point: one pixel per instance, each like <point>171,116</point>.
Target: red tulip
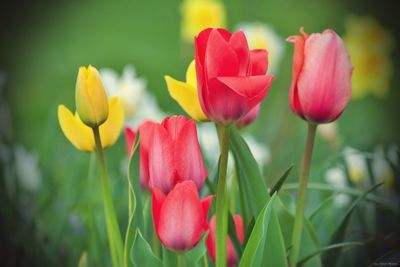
<point>321,86</point>
<point>231,79</point>
<point>231,256</point>
<point>130,136</point>
<point>249,117</point>
<point>180,218</point>
<point>170,153</point>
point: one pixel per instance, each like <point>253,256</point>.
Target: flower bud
<point>90,97</point>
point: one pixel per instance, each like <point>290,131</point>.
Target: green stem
<point>222,209</point>
<point>113,232</point>
<point>181,259</point>
<point>301,197</point>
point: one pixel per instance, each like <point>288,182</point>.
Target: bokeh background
<point>47,191</point>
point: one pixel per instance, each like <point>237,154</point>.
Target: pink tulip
<point>249,117</point>
<point>231,256</point>
<point>231,79</point>
<point>180,218</point>
<point>321,86</point>
<point>130,136</point>
<point>170,153</point>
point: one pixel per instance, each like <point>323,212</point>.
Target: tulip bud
<point>180,218</point>
<point>231,256</point>
<point>249,117</point>
<point>321,85</point>
<point>90,97</point>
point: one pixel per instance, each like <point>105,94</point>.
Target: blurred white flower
<point>27,169</point>
<point>381,168</point>
<point>263,36</point>
<point>329,132</point>
<point>356,165</point>
<point>336,176</point>
<point>139,104</point>
<point>393,154</point>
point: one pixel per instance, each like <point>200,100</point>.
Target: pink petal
<point>181,219</point>
<point>157,202</point>
<point>130,137</point>
<point>258,62</point>
<point>146,135</point>
<point>188,158</point>
<point>174,124</point>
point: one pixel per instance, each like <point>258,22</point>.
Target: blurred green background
<point>44,43</point>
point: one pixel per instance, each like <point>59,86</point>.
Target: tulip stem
<point>301,195</point>
<point>181,259</point>
<point>222,209</point>
<point>113,232</point>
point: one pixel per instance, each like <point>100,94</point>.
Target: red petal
<point>174,124</point>
<point>239,44</point>
<point>130,137</point>
<point>161,160</point>
<point>248,87</point>
<point>146,133</point>
<point>258,62</point>
<point>206,203</point>
<point>188,158</point>
<point>181,218</point>
<point>157,202</point>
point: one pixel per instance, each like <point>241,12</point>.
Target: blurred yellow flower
<point>185,93</point>
<point>370,48</point>
<point>90,97</point>
<point>200,14</point>
<point>81,136</point>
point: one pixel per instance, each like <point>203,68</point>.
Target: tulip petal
<point>161,160</point>
<point>220,58</point>
<point>146,135</point>
<point>206,203</point>
<point>191,75</point>
<point>187,97</point>
<point>238,42</point>
<point>76,132</point>
<point>181,221</point>
<point>249,87</point>
<point>325,82</point>
<point>130,137</point>
<point>189,162</point>
<point>157,201</point>
<point>111,128</point>
<point>258,62</point>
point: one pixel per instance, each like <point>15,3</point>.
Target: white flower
<point>263,36</point>
<point>393,154</point>
<point>381,169</point>
<point>139,104</point>
<point>336,176</point>
<point>356,165</point>
<point>27,169</point>
<point>329,132</point>
<point>208,140</point>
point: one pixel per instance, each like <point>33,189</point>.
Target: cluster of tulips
<point>228,83</point>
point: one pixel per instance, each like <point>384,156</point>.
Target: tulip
<point>321,86</point>
<point>130,136</point>
<point>180,218</point>
<point>169,153</point>
<point>249,117</point>
<point>231,256</point>
<point>231,79</point>
<point>186,94</point>
<point>81,135</point>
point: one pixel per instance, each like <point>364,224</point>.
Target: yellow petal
<point>76,132</point>
<point>191,74</point>
<point>90,97</point>
<point>187,97</point>
<point>110,130</point>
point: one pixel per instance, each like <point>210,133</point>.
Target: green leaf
<point>330,257</point>
<point>327,248</point>
<point>255,195</point>
<point>135,218</point>
<point>194,255</point>
<point>281,181</point>
<point>253,252</point>
<point>320,207</point>
<point>141,253</point>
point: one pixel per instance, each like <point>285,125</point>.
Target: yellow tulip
<point>185,93</point>
<point>81,136</point>
<point>90,97</point>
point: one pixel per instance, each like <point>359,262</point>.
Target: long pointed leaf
<point>281,181</point>
<point>330,257</point>
<point>141,253</point>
